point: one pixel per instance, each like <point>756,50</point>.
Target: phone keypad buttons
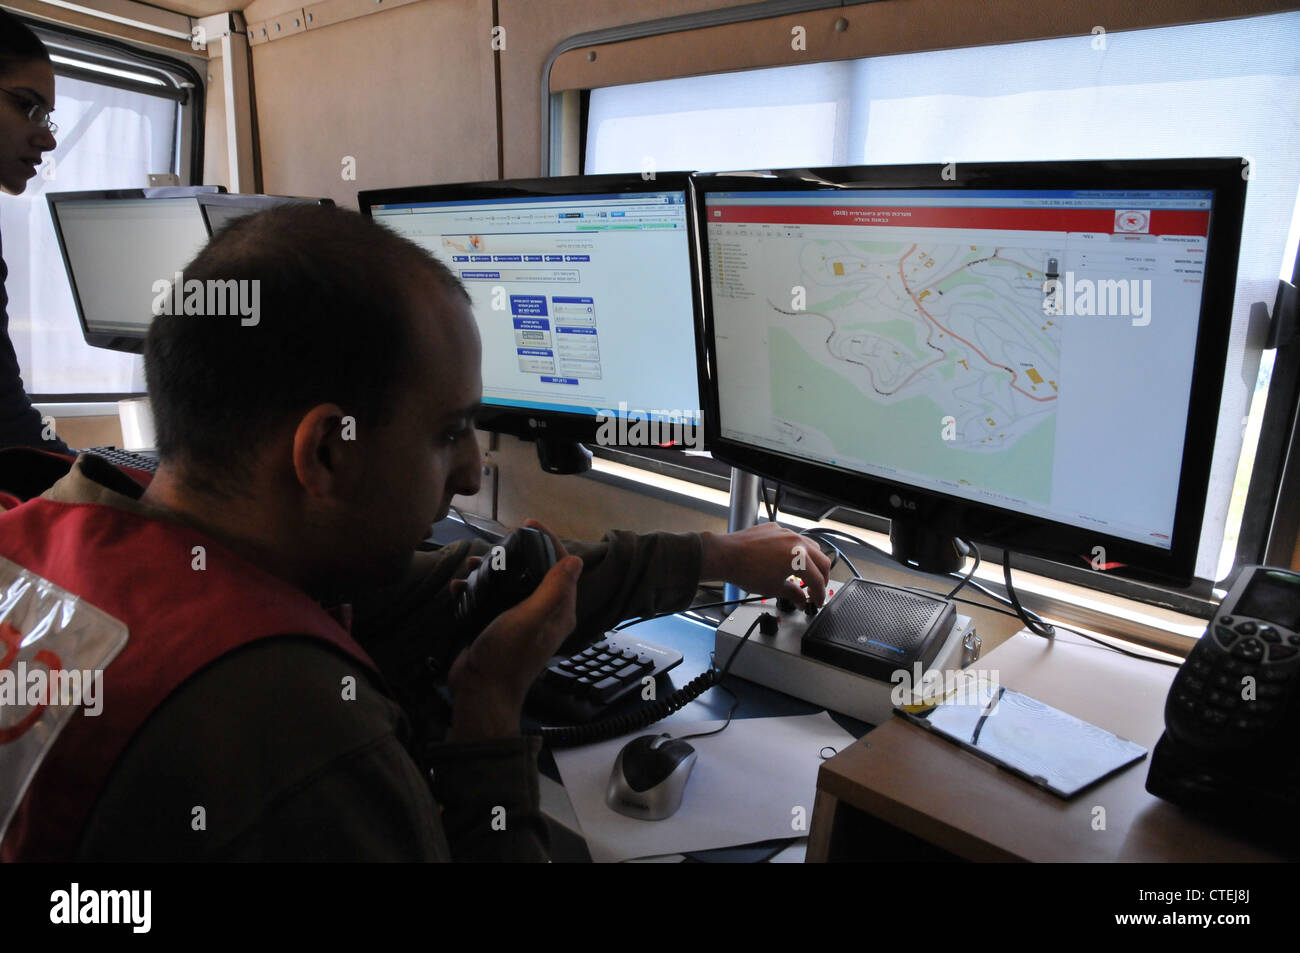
<point>1269,634</point>
<point>1248,649</point>
<point>1223,700</point>
<point>1277,653</point>
<point>1225,635</point>
<point>1245,628</point>
<point>1293,640</point>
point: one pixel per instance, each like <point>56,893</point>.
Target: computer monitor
<point>220,210</point>
<point>116,246</point>
<point>585,289</point>
<point>1025,354</point>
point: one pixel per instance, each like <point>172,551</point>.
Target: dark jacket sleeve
<point>489,791</point>
<point>625,575</point>
<point>20,424</point>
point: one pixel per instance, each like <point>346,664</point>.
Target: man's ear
<point>317,450</point>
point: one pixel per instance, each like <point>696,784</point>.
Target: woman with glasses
<point>26,100</point>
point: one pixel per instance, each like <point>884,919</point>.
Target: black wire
<point>1038,627</point>
<point>966,578</point>
<point>1092,638</point>
<point>1032,620</point>
<point>1115,648</point>
<point>745,638</point>
<point>735,703</point>
<point>735,699</point>
<point>972,583</point>
<point>839,555</point>
<point>628,623</point>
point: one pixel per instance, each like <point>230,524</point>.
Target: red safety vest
<point>140,571</point>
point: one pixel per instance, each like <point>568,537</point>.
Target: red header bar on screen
<point>1103,220</point>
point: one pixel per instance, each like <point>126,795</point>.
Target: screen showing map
<point>585,303</point>
<point>1027,349</point>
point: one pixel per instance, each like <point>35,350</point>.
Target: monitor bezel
<point>1003,528</point>
<point>528,423</point>
<point>253,202</point>
<point>109,340</point>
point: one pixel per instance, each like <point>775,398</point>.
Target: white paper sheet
<point>755,781</point>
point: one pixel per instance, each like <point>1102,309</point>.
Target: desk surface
<point>915,781</point>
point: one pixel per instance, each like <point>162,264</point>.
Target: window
<point>121,117</point>
<point>1211,89</point>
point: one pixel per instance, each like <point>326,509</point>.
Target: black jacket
<point>20,424</point>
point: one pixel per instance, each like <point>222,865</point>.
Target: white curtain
<point>108,139</point>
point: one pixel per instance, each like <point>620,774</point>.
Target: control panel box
<point>778,662</point>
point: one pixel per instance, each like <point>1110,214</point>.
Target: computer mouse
<point>649,777</point>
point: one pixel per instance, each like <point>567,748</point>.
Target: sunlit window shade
<point>108,138</point>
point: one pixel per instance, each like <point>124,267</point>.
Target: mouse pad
<point>755,781</point>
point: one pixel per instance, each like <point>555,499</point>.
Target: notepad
<point>1044,745</point>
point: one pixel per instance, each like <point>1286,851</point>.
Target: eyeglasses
<point>36,112</point>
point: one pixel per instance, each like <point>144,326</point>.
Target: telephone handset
<point>1232,718</point>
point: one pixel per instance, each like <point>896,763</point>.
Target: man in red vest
<point>307,443</point>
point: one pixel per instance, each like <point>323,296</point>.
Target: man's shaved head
<point>337,296</point>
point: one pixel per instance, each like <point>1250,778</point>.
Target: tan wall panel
<point>580,508</point>
<point>90,431</point>
<point>533,29</point>
<point>405,92</point>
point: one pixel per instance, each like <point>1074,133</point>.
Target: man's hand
<point>490,679</point>
<point>761,559</point>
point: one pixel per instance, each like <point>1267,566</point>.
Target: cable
<point>628,623</point>
<point>735,703</point>
<point>839,556</point>
<point>575,736</point>
<point>1032,620</point>
<point>1115,648</point>
<point>821,530</point>
<point>973,583</point>
<point>1038,627</point>
<point>971,547</point>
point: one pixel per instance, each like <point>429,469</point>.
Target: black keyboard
<point>125,458</point>
<point>577,689</point>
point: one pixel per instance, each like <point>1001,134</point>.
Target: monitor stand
<point>556,455</point>
<point>920,547</point>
